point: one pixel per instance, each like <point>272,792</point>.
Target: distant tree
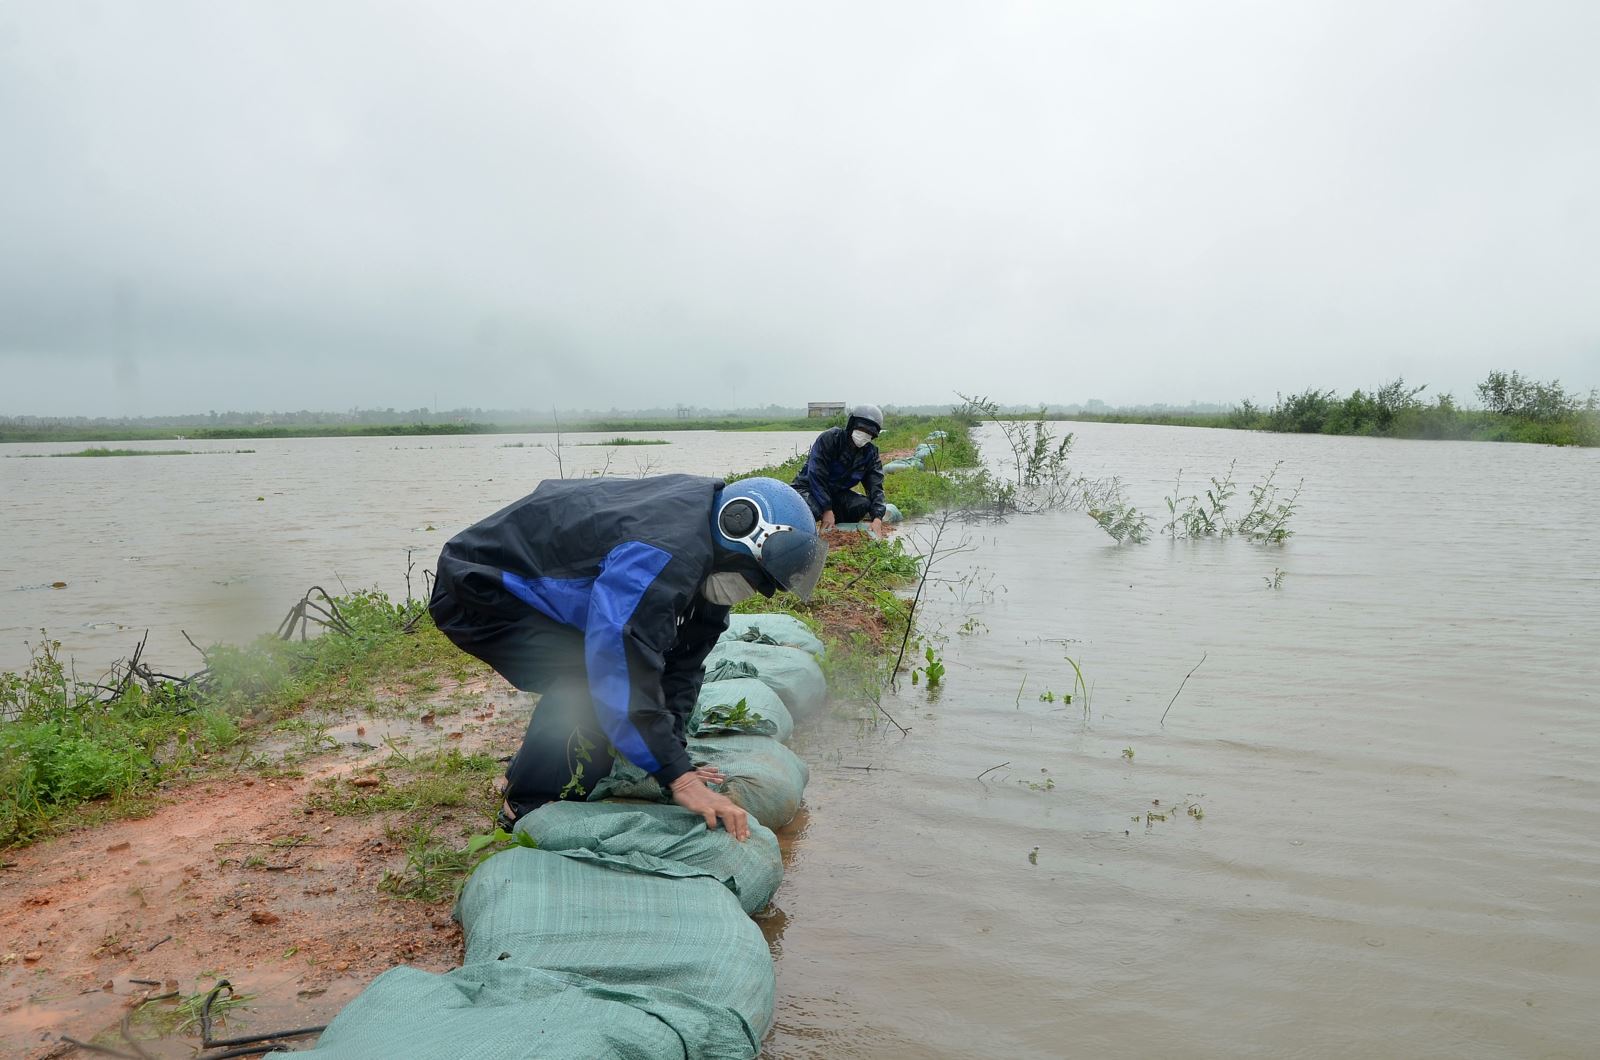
<point>1513,395</point>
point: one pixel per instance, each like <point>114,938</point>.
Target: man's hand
<point>877,527</point>
<point>710,774</point>
<point>690,792</point>
<point>827,519</point>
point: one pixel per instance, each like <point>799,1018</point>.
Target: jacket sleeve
<point>686,663</point>
<point>631,627</point>
<point>872,483</point>
<point>817,476</point>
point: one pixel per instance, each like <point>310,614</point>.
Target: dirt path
<point>234,878</point>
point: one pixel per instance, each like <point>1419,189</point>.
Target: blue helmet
<point>768,521</point>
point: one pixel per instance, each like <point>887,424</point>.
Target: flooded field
<point>1369,827</point>
<point>1370,824</point>
<point>221,544</point>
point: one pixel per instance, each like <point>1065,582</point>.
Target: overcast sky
<point>323,205</point>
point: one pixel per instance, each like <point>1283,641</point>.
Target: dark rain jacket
<point>621,561</point>
<point>835,465</point>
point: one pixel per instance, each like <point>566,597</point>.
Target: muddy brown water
<point>222,544</point>
<point>1393,755</point>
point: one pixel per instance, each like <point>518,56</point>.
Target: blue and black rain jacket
<point>621,561</point>
<point>835,466</point>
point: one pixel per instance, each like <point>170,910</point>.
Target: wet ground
<point>232,878</point>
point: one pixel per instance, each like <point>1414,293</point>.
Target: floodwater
<point>222,544</point>
<point>1394,758</point>
<point>1370,825</point>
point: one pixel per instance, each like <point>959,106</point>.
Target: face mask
<point>861,438</point>
<point>727,588</point>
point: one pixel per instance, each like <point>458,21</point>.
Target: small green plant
<point>1033,856</point>
<point>578,756</point>
<point>1078,686</point>
<point>737,716</point>
<point>1275,579</point>
<point>1047,784</point>
<point>1197,519</point>
<point>1268,516</point>
<point>433,870</point>
<point>1123,522</point>
<point>1127,752</point>
<point>934,670</point>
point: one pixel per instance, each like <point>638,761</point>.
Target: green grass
<point>407,784</point>
<point>75,750</point>
<point>629,441</point>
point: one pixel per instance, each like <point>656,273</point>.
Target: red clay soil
<point>214,884</point>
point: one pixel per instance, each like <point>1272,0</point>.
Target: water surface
<point>1394,754</point>
<point>222,544</point>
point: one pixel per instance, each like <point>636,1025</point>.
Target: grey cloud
<point>330,205</point>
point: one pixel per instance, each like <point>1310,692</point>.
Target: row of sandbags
<point>924,450</point>
<point>626,932</point>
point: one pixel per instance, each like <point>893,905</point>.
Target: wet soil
<point>232,877</point>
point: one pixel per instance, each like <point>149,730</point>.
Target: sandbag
<point>740,705</point>
<point>774,629</point>
<point>891,515</point>
<point>570,957</point>
<point>790,672</point>
<point>496,1010</point>
<point>663,840</point>
<point>764,776</point>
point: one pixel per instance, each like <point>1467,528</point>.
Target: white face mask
<point>861,438</point>
<point>727,588</point>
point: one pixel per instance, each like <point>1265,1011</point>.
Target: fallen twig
<point>991,769</point>
<point>1185,681</point>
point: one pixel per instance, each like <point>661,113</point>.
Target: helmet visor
<point>794,560</point>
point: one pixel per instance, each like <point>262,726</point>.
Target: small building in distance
<point>822,410</point>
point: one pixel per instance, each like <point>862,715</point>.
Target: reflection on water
<point>1395,755</point>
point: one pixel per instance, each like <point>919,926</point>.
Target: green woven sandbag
<point>498,1010</point>
<point>740,705</point>
<point>773,629</point>
<point>662,937</point>
<point>790,672</point>
<point>663,840</point>
<point>764,777</point>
